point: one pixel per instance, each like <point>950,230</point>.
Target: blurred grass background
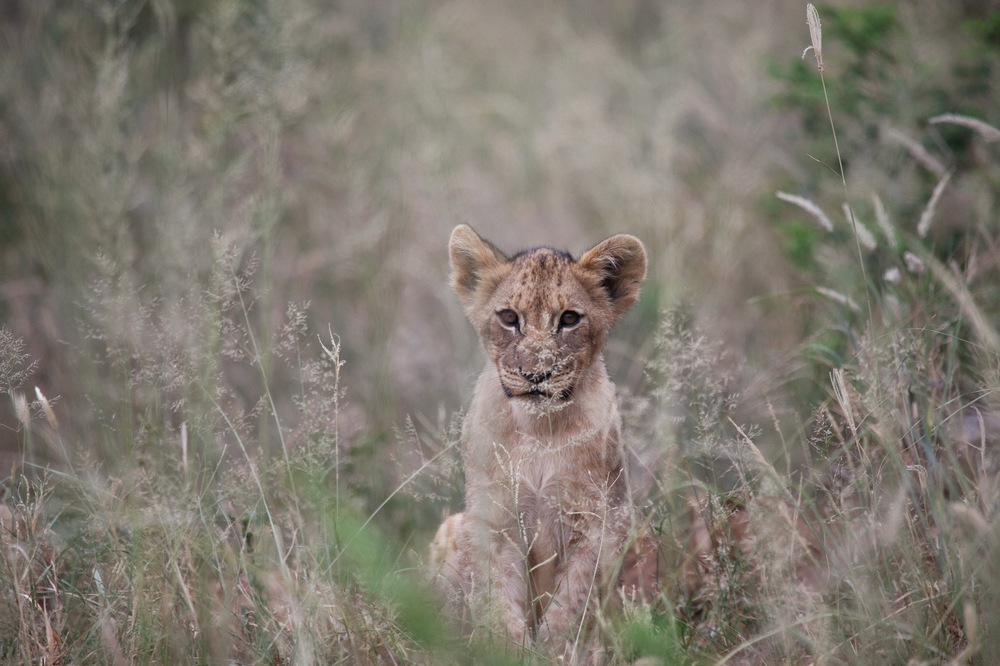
<point>192,192</point>
<point>340,144</point>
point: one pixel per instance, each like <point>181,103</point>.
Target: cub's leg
<point>508,567</point>
<point>474,566</point>
<point>482,574</point>
<point>581,586</point>
<point>445,570</point>
<point>576,592</point>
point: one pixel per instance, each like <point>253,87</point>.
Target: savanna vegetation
<point>233,371</point>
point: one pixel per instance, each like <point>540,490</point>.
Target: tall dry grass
<point>191,192</point>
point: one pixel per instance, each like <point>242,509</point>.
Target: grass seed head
<point>914,264</point>
<point>810,207</point>
<point>865,236</point>
<point>838,297</point>
<point>927,217</point>
<point>884,222</point>
<point>21,408</point>
<point>815,35</point>
<point>985,130</point>
<point>50,414</point>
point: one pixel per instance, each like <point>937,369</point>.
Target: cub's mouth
<point>539,393</point>
<point>538,387</point>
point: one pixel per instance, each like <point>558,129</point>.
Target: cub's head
<point>541,315</point>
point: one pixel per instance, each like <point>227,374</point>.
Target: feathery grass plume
<point>50,414</point>
<point>865,237</point>
<point>808,206</point>
<point>916,151</point>
<point>981,324</point>
<point>913,263</point>
<point>892,275</point>
<point>21,407</point>
<point>843,398</point>
<point>838,297</point>
<point>884,223</point>
<point>970,516</point>
<point>815,35</point>
<point>971,624</point>
<point>924,225</point>
<point>985,130</point>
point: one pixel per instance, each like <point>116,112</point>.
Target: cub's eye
<point>508,317</point>
<point>569,319</point>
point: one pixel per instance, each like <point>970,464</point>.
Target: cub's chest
<point>517,466</point>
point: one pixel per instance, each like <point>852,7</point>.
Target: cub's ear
<point>474,264</point>
<point>620,263</point>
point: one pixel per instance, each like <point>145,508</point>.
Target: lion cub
<point>547,506</point>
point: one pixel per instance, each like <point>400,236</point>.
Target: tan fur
<point>547,502</point>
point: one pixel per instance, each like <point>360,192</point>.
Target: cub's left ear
<point>620,262</point>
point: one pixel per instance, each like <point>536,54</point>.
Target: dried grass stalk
<point>808,206</point>
<point>918,152</point>
<point>884,223</point>
<point>985,130</point>
<point>924,225</point>
<point>865,237</point>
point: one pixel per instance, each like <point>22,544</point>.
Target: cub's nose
<point>534,377</point>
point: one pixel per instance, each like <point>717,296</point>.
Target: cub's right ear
<point>475,265</point>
